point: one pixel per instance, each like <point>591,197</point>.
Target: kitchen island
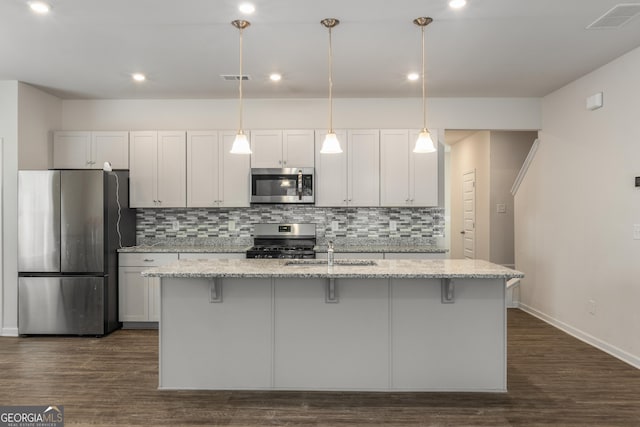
<point>383,325</point>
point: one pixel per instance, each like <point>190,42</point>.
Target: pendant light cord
<point>240,85</point>
<point>424,91</point>
<point>330,83</point>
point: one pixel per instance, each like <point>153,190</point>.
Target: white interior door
<point>469,214</point>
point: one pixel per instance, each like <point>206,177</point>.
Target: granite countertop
<point>169,248</point>
<point>380,248</point>
<point>344,245</point>
<point>381,269</point>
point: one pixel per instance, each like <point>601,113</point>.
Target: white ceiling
<point>493,48</point>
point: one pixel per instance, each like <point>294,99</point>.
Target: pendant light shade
<point>241,143</point>
<point>424,143</point>
<point>330,145</point>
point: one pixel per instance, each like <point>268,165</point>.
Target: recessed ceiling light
<point>413,76</point>
<point>139,77</point>
<point>457,4</point>
<point>247,8</point>
<point>39,7</point>
<point>275,77</point>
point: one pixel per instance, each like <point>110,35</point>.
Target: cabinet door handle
<point>148,260</point>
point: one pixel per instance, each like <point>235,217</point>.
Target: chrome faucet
<point>330,254</point>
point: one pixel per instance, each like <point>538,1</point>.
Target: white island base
<point>375,334</point>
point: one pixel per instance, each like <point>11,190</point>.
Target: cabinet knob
<point>285,162</point>
<point>279,162</point>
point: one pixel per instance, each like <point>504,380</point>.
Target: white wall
<point>576,208</point>
<point>38,114</point>
<point>9,266</point>
<point>508,149</point>
<point>443,113</point>
<point>467,155</point>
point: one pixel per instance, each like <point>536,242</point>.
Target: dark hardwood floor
<point>553,380</point>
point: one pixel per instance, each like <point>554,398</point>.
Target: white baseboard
<point>585,337</point>
<point>9,332</point>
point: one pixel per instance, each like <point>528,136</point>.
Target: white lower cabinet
<point>320,345</point>
<point>139,297</point>
<point>460,346</point>
<point>235,349</point>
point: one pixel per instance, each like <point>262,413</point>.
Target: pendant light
<point>241,143</point>
<point>330,145</point>
<point>424,143</point>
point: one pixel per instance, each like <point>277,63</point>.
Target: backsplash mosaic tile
<point>237,223</point>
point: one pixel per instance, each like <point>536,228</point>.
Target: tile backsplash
<point>196,223</point>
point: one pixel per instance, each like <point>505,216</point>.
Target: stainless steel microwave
<point>288,185</point>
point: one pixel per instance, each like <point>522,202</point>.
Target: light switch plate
<point>393,226</point>
<point>501,208</point>
<point>335,225</point>
<point>636,231</point>
<point>231,225</point>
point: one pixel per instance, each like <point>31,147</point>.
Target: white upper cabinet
<point>351,178</point>
<point>298,148</point>
<point>407,178</point>
<point>363,168</point>
<point>331,173</point>
<point>215,177</point>
<point>236,170</point>
<point>89,150</point>
<point>158,169</point>
<point>282,149</point>
<point>203,169</point>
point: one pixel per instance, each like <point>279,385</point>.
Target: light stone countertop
<point>265,268</point>
<point>214,248</point>
<point>231,248</point>
<point>383,249</point>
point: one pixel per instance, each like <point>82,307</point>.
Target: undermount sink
<point>345,262</point>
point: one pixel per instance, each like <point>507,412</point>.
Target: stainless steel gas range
<point>283,241</point>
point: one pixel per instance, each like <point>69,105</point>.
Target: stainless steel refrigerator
<point>69,231</point>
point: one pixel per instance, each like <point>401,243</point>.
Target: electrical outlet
<point>393,226</point>
<point>592,307</point>
<point>175,225</point>
<point>335,226</point>
<point>231,225</point>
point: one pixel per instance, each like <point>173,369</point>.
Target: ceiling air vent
<point>616,17</point>
<point>234,77</point>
